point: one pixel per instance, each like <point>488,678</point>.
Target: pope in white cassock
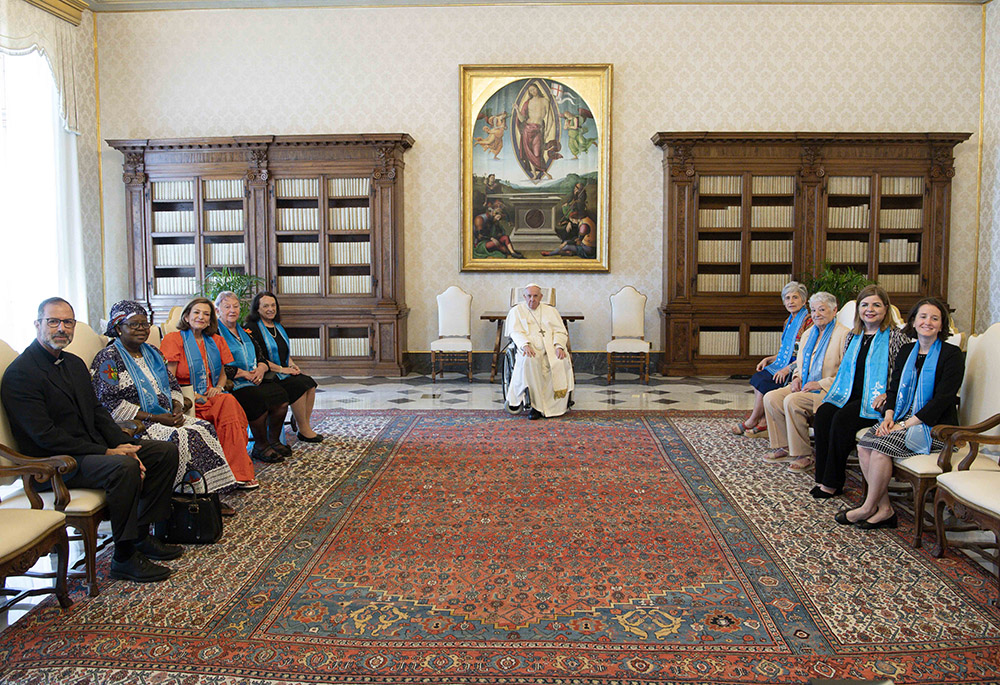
<point>542,365</point>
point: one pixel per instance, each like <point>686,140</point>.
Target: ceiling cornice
<point>69,10</point>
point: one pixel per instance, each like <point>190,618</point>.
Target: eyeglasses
<point>54,323</point>
<point>135,325</point>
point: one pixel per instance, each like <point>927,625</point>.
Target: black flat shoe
<point>139,569</point>
<point>890,522</point>
<point>314,439</point>
<point>820,493</point>
<point>157,550</point>
<point>842,519</point>
<point>535,415</point>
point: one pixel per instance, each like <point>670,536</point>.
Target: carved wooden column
<point>935,264</point>
<point>257,177</point>
<point>811,176</point>
<point>679,244</point>
<point>136,219</point>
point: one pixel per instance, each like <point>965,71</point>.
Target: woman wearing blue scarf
<point>264,322</point>
<point>858,390</point>
<point>923,393</point>
<point>131,380</point>
<point>264,402</point>
<point>775,371</point>
<point>789,409</point>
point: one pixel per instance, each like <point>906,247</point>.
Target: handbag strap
<point>201,476</point>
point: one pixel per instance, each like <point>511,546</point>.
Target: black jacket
<point>54,410</point>
<point>942,407</point>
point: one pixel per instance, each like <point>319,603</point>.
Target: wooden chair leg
<point>940,542</point>
<point>611,367</point>
<point>469,362</point>
<point>645,368</point>
<point>62,568</point>
<point>920,491</point>
<point>88,531</point>
<point>433,366</point>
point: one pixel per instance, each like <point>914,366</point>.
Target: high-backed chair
<point>155,336</point>
<point>86,343</point>
<point>454,344</point>
<point>628,348</point>
<point>845,315</point>
<point>30,533</point>
<point>86,508</point>
<point>978,400</point>
<point>173,319</point>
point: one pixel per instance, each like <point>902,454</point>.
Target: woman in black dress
<point>926,379</point>
<point>264,323</point>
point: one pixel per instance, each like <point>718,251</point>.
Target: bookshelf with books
<point>319,218</point>
<point>747,212</point>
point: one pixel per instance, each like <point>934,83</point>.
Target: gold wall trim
<point>100,173</point>
<point>979,170</point>
<point>68,10</point>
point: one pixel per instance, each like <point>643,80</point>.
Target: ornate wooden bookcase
<point>746,212</point>
<point>320,218</point>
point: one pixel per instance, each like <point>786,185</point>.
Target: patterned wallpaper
<point>988,296</point>
<point>703,67</point>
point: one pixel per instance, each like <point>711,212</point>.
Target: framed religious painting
<point>536,167</point>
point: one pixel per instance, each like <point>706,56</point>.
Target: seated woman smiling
<point>196,355</point>
<point>131,380</point>
<point>264,322</point>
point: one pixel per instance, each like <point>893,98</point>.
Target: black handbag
<point>195,518</point>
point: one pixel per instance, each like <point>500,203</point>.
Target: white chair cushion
<point>23,528</point>
<point>629,345</point>
<point>980,489</point>
<point>451,345</point>
<point>83,501</point>
<point>926,464</point>
<point>86,343</point>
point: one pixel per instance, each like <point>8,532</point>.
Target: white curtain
<point>40,226</point>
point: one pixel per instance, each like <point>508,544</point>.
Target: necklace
<point>273,330</point>
<point>540,327</point>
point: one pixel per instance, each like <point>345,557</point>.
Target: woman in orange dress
<point>197,355</point>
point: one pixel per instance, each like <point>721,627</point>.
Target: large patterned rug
<point>471,547</point>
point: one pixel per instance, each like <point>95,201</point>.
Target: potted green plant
<point>843,283</point>
<point>244,285</point>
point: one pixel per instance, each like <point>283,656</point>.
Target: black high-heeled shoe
<point>891,522</point>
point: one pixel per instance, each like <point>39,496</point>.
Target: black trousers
<point>133,501</point>
<point>835,430</point>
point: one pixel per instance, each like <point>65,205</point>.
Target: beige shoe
<point>779,454</point>
<point>801,464</point>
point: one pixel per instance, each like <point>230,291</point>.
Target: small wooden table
<point>500,317</point>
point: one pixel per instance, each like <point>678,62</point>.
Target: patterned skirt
<point>894,444</point>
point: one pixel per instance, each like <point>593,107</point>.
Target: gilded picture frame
<point>536,167</point>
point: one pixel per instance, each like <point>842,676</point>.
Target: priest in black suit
<point>50,402</point>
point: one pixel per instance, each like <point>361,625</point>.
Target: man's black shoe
<point>139,569</point>
<point>535,415</point>
<point>153,548</point>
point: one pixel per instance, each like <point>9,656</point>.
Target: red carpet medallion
<point>470,547</point>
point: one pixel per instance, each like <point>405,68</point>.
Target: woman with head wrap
<point>197,355</point>
<point>131,380</point>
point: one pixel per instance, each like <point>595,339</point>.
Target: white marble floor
<point>592,392</point>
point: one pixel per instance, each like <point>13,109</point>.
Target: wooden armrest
<point>943,431</point>
<point>132,427</point>
<point>975,440</point>
<point>39,469</point>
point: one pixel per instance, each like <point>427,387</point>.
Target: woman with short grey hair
<point>775,371</point>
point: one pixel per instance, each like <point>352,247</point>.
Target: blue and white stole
<point>272,345</point>
<point>196,365</point>
<point>788,336</point>
<point>915,390</point>
<point>812,359</point>
<point>876,374</point>
<point>244,353</point>
<point>149,401</point>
